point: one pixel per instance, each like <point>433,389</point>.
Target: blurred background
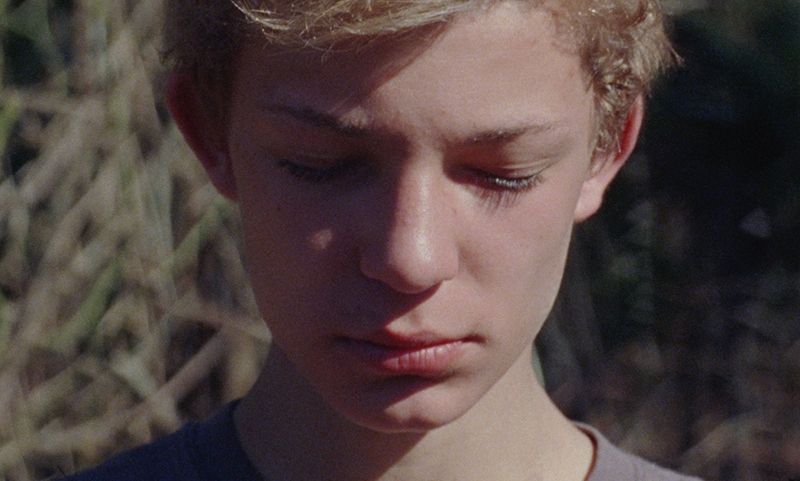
<point>125,311</point>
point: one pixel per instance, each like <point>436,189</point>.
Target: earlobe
<point>594,187</point>
<point>191,117</point>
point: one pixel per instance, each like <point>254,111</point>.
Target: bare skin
<point>504,437</point>
<point>406,221</point>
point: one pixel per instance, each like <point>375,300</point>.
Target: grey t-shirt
<point>210,451</point>
<point>614,464</point>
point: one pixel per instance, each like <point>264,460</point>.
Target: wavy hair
<point>622,43</point>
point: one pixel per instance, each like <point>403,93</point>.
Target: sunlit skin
<point>407,212</point>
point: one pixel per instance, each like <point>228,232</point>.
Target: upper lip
<point>396,340</point>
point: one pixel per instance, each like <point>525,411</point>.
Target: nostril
<point>410,269</point>
<point>407,240</point>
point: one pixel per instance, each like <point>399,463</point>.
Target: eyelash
<point>496,189</point>
<point>314,175</point>
<point>499,191</point>
<point>510,184</point>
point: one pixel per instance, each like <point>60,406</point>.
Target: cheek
<point>535,266</point>
<point>283,242</point>
<point>523,251</point>
<point>276,219</point>
<point>531,236</point>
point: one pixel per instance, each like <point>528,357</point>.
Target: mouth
<point>419,356</point>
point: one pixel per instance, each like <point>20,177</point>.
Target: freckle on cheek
<point>320,240</point>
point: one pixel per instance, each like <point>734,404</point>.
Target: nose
<point>410,244</point>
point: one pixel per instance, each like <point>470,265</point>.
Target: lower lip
<point>418,360</point>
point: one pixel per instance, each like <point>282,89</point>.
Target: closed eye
<point>502,191</point>
<point>511,184</point>
<point>303,170</point>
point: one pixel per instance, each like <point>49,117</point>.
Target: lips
<point>416,355</point>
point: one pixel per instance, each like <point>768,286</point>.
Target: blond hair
<point>622,43</point>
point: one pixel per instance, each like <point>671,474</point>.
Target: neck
<point>513,433</point>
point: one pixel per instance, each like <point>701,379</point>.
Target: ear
<point>606,165</point>
<point>203,137</point>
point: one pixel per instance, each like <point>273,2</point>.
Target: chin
<point>430,406</point>
<point>407,422</point>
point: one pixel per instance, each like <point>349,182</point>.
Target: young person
<point>408,174</point>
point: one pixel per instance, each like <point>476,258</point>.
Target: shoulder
<point>208,450</point>
<point>613,464</point>
<point>165,459</point>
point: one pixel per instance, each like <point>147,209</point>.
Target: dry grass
<point>124,310</point>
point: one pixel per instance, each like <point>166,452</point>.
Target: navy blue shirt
<point>204,451</point>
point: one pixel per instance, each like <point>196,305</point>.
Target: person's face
<point>407,217</point>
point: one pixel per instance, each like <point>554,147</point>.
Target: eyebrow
<point>500,136</point>
<point>318,119</point>
<point>331,122</point>
<point>507,135</point>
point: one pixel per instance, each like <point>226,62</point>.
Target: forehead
<point>507,61</point>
